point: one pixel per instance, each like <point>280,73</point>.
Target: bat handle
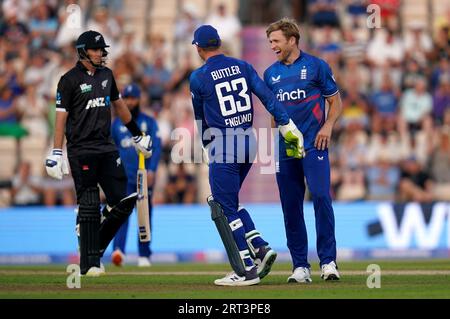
<point>141,161</point>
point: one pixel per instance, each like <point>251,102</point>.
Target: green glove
<point>293,140</point>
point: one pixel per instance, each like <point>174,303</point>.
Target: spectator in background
<point>8,108</point>
<point>382,178</point>
<point>441,99</point>
<point>415,183</point>
<point>104,24</point>
<point>418,43</point>
<point>385,53</point>
<point>67,32</point>
<point>411,73</point>
<point>43,27</point>
<point>33,111</point>
<point>353,48</point>
<point>388,144</point>
<point>356,75</point>
<point>22,7</point>
<point>442,69</point>
<point>38,70</point>
<point>440,165</point>
<point>355,109</point>
<point>26,189</point>
<point>416,105</point>
<point>156,80</point>
<point>181,187</point>
<point>323,12</point>
<point>441,45</point>
<point>14,35</point>
<point>351,156</point>
<point>229,28</point>
<point>385,106</point>
<point>185,26</point>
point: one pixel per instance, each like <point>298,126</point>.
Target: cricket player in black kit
<point>83,104</point>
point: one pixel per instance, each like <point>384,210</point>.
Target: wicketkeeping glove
<point>143,144</point>
<point>293,140</point>
<point>56,165</point>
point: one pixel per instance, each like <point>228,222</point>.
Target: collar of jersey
<point>84,69</point>
<point>215,57</point>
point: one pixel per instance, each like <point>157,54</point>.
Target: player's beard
<point>285,54</point>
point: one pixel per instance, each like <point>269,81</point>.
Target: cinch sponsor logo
<point>98,102</point>
<point>291,96</point>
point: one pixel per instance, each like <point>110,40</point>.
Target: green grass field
<point>399,279</point>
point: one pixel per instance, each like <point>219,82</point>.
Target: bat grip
<point>141,161</point>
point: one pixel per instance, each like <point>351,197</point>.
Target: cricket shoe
<point>264,259</point>
<point>330,272</point>
<point>144,262</point>
<point>232,279</point>
<point>301,275</point>
<point>117,257</point>
<point>95,272</point>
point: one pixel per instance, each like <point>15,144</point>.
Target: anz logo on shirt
<point>98,102</point>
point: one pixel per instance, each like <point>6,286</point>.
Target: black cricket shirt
<point>87,99</point>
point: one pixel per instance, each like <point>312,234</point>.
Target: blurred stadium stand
<point>143,32</point>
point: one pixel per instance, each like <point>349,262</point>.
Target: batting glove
<point>56,165</point>
<point>143,144</point>
<point>293,140</point>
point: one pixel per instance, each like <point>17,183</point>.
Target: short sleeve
<point>115,95</point>
<point>63,95</point>
<point>327,83</point>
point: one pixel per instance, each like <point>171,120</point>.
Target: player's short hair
<point>288,26</point>
<point>209,49</point>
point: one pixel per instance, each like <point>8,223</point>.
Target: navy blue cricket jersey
<point>221,95</point>
<point>302,88</point>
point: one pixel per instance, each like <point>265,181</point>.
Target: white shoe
<point>300,274</point>
<point>232,279</point>
<point>330,272</point>
<point>95,272</point>
<point>117,257</point>
<point>144,262</point>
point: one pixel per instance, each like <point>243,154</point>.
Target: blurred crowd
<point>393,139</point>
<point>392,142</point>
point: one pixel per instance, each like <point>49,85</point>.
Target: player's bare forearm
<point>122,111</point>
<point>60,124</point>
<point>323,137</point>
<point>335,109</point>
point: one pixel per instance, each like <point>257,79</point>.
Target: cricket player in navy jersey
<point>123,139</point>
<point>302,83</point>
<point>221,96</point>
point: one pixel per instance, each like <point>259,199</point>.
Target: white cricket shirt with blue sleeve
<point>221,95</point>
<point>302,88</point>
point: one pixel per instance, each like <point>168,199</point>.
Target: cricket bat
<point>142,202</point>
